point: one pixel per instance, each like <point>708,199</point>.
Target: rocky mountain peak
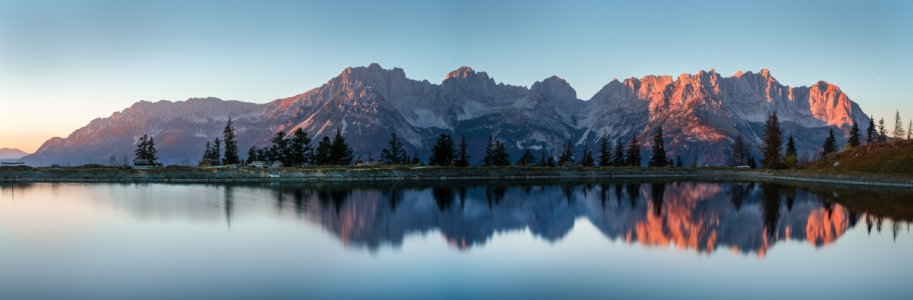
<point>462,72</point>
<point>555,86</point>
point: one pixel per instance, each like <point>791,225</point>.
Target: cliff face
<point>700,113</point>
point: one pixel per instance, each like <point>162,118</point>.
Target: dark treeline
<point>772,155</point>
<point>296,149</point>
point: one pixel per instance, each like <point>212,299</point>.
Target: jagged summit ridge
<point>701,113</point>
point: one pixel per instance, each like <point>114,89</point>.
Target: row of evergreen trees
<point>444,153</point>
<point>297,150</point>
<point>771,147</point>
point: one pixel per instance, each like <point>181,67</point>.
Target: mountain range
<point>700,113</point>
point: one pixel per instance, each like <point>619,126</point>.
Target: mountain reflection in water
<point>744,217</point>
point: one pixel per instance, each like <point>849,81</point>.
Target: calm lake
<point>432,240</point>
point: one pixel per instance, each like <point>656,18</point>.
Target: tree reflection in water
<point>746,217</point>
<point>700,216</point>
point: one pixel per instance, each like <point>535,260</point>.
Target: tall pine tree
<point>394,152</point>
<point>499,155</point>
<point>567,157</point>
<point>586,159</point>
<point>633,158</point>
<point>463,155</point>
<point>830,144</point>
<point>854,136</point>
<point>872,135</point>
<point>279,151</point>
<point>340,153</point>
<point>898,127</point>
<point>489,150</point>
<point>543,161</point>
<point>146,151</point>
<point>300,150</point>
<point>882,132</point>
<point>207,154</point>
<point>739,152</point>
<point>140,152</point>
<point>231,145</point>
<point>618,159</point>
<point>251,153</point>
<point>771,147</point>
<point>658,156</point>
<point>527,159</point>
<point>605,151</point>
<point>215,153</point>
<point>791,147</point>
<point>322,155</point>
<point>442,153</point>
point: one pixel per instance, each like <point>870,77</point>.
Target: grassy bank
<point>888,158</point>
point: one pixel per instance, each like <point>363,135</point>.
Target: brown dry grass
<point>895,157</point>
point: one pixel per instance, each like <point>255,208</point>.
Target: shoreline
<point>382,174</point>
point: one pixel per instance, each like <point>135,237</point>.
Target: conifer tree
<point>752,163</point>
<point>416,160</point>
<point>830,144</point>
<point>527,159</point>
<point>300,151</point>
<point>207,155</point>
<point>489,150</point>
<point>231,145</point>
<point>442,153</point>
<point>322,154</point>
<point>882,133</point>
<point>587,157</point>
<point>618,159</point>
<point>792,156</point>
<point>340,153</point>
<point>146,150</point>
<point>910,131</point>
<point>215,157</point>
<point>370,159</point>
<point>151,153</point>
<point>605,151</point>
<point>405,159</point>
<point>279,151</point>
<point>543,161</point>
<point>898,127</point>
<point>678,162</point>
<point>552,162</point>
<point>633,157</point>
<point>771,142</point>
<point>394,152</point>
<point>251,154</point>
<point>658,155</point>
<point>463,155</point>
<point>568,155</point>
<point>739,152</point>
<point>791,147</point>
<point>140,151</point>
<point>854,136</point>
<point>872,134</point>
<point>499,155</point>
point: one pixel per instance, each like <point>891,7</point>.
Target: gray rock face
<point>700,113</point>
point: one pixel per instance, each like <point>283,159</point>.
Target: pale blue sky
<point>64,63</point>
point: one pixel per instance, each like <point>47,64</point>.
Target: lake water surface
<point>588,239</point>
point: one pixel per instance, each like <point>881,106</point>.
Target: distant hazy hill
<point>700,113</point>
<point>7,153</point>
